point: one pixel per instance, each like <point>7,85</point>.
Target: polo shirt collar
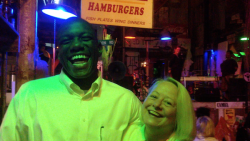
<point>73,88</point>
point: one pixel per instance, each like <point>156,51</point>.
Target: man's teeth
<point>79,57</point>
<point>155,113</point>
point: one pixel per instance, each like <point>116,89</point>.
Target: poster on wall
<point>130,13</point>
<point>229,115</point>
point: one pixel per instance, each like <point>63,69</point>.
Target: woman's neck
<point>158,134</point>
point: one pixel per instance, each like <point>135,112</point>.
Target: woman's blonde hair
<point>185,129</point>
<point>205,126</point>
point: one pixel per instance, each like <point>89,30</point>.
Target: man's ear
<point>99,47</point>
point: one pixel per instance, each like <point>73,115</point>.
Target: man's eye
<point>86,38</point>
<point>66,41</point>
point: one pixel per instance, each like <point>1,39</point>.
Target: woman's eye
<point>168,103</point>
<point>153,96</point>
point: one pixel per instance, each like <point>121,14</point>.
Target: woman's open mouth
<point>156,114</point>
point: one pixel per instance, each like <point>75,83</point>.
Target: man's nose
<point>76,45</point>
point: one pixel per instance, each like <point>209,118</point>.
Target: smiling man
<point>77,104</point>
<point>79,52</point>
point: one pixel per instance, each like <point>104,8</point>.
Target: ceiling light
<point>165,35</point>
<point>244,39</point>
<point>130,33</point>
<point>165,38</point>
<point>59,11</point>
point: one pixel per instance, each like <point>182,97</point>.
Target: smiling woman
<point>167,114</point>
<point>159,109</point>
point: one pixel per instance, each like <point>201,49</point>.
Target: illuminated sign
<point>224,105</point>
<point>131,13</point>
<point>227,105</point>
<point>140,42</point>
<point>107,42</point>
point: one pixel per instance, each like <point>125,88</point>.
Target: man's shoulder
<point>115,87</point>
<point>38,86</point>
<point>42,82</point>
<point>225,61</point>
<point>228,61</point>
<point>117,92</point>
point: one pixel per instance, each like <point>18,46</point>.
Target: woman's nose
<point>157,103</point>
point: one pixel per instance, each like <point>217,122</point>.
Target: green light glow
<point>237,55</point>
<point>242,53</point>
<point>244,39</point>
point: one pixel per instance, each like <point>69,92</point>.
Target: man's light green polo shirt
<point>52,109</point>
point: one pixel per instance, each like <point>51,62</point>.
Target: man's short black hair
<point>69,21</point>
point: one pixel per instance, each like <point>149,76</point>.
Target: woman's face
<point>159,108</point>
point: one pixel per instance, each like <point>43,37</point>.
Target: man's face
<point>78,49</point>
<point>228,55</point>
<point>177,50</point>
<point>42,48</point>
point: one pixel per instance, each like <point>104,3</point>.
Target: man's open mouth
<point>154,113</point>
<point>78,59</point>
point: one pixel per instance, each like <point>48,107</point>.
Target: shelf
<point>198,78</point>
<point>8,36</point>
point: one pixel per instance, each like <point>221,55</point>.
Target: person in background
<point>143,90</point>
<point>43,54</point>
<point>229,66</point>
<point>247,127</point>
<point>228,69</point>
<point>241,127</point>
<point>202,111</point>
<point>167,114</point>
<point>77,104</point>
<point>41,66</point>
<point>190,89</point>
<point>176,64</point>
<point>205,129</point>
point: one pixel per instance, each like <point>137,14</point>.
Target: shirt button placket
<point>83,119</point>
